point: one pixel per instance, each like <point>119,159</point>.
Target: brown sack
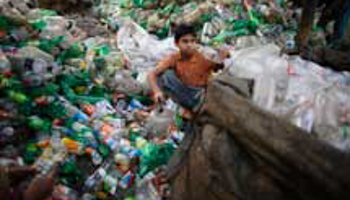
<point>238,151</point>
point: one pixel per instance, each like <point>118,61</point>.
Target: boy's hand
<point>223,54</point>
<point>247,4</point>
<point>158,97</point>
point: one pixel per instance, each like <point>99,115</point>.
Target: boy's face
<point>187,44</point>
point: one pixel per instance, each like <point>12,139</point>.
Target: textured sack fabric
<point>237,151</point>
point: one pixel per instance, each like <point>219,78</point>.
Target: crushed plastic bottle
<point>73,112</point>
<point>62,192</point>
<point>5,65</point>
<point>17,35</point>
<point>145,189</point>
<point>95,156</point>
<point>95,179</point>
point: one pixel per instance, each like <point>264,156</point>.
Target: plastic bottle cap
<point>71,145</point>
<point>89,150</point>
<point>43,144</point>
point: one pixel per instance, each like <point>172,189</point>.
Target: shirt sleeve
<point>167,63</point>
<point>215,66</point>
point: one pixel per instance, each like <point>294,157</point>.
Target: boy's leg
<point>182,94</point>
<point>341,24</point>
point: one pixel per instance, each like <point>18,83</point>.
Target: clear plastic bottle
<point>4,63</point>
<point>40,66</point>
<point>207,33</point>
<point>6,132</point>
<point>86,131</point>
<point>56,143</point>
<point>210,54</point>
<point>24,65</point>
<point>55,26</point>
<point>290,41</point>
<point>145,189</point>
<point>18,35</point>
<point>88,196</point>
<point>44,164</point>
<point>95,156</point>
<point>73,111</point>
<point>64,192</point>
<point>95,179</point>
<point>34,53</point>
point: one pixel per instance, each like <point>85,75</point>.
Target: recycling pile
<point>68,101</point>
<point>74,95</point>
<point>217,22</point>
<point>313,98</point>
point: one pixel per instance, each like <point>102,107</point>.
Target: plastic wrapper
<point>10,14</point>
<point>331,114</point>
<point>34,53</point>
<point>157,124</point>
<point>246,42</point>
<point>247,63</point>
<point>103,108</point>
<point>154,156</point>
<point>54,26</point>
<point>36,13</point>
<point>123,81</point>
<point>145,189</point>
<point>313,98</point>
<point>90,25</point>
<point>141,50</point>
<point>270,84</point>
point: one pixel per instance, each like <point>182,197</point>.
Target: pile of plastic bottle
<point>57,111</point>
<point>217,23</point>
<point>68,100</point>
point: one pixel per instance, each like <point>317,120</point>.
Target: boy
<point>183,75</point>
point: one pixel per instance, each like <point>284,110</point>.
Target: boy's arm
<point>219,67</point>
<point>152,77</point>
<point>223,54</point>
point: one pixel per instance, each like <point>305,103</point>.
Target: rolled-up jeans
<point>186,96</point>
<point>342,22</point>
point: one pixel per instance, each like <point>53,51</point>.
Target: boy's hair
<point>182,30</point>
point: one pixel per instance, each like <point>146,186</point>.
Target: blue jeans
<point>342,22</point>
<point>186,96</point>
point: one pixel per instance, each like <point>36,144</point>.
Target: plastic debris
<point>74,93</point>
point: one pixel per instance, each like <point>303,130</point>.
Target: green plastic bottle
<point>155,155</point>
<point>133,135</point>
<point>103,50</point>
<point>75,51</point>
<point>31,153</point>
<point>71,174</point>
<point>6,23</point>
<point>48,45</point>
<point>38,24</point>
<point>17,97</point>
<point>39,124</point>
